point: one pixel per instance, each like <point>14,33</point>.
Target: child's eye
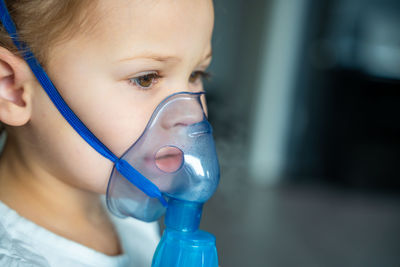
<point>145,81</point>
<point>198,75</point>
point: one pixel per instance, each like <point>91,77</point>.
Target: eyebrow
<point>160,58</point>
<point>155,57</point>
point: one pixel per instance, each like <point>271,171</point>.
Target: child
<point>112,62</point>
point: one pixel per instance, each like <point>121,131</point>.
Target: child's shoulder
<point>13,252</point>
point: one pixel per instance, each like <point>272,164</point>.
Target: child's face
<point>167,40</point>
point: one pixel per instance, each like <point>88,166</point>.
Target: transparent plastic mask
<point>176,152</point>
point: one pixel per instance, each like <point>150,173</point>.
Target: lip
<point>161,156</point>
<point>169,159</point>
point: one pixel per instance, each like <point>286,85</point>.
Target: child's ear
<point>15,89</point>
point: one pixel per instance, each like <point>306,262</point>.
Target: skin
<point>48,173</point>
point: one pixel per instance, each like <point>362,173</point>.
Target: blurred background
<point>305,104</point>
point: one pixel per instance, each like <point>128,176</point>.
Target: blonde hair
<point>43,23</point>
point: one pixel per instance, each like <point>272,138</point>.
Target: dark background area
<point>304,101</point>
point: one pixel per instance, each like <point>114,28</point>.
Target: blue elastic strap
<point>122,166</point>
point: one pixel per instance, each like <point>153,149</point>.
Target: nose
<point>184,111</point>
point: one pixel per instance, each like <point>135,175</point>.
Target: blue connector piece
<point>182,243</point>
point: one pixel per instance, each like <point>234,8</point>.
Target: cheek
<point>120,122</point>
<point>88,169</point>
<point>114,113</point>
<point>62,153</point>
<point>67,156</point>
<point>204,104</point>
<point>122,133</point>
<point>85,167</point>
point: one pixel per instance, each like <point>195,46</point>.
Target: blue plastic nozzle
<point>182,243</point>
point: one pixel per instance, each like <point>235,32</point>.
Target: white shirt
<point>23,243</point>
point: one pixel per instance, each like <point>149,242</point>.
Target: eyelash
<point>154,76</point>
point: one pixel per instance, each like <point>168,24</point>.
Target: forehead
<point>128,27</point>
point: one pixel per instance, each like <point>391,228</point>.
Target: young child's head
<point>112,62</point>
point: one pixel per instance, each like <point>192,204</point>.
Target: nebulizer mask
<point>176,152</point>
<point>172,167</point>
